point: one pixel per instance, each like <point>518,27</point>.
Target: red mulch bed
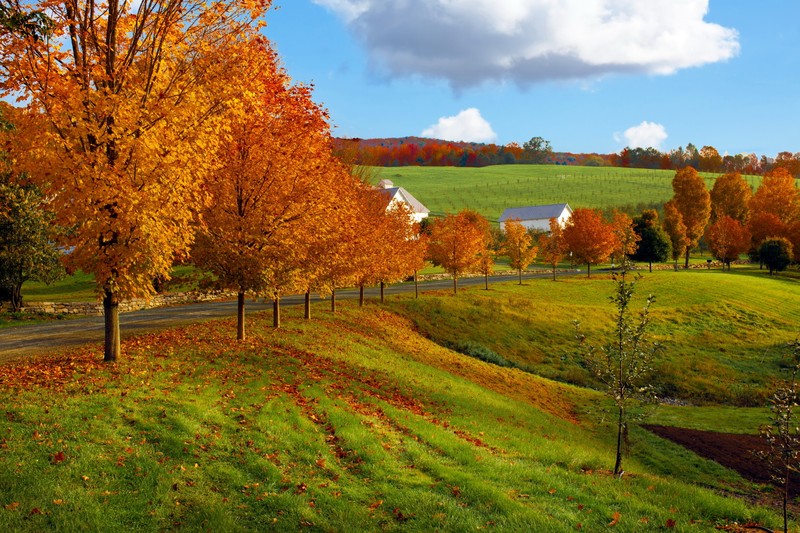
<point>737,452</point>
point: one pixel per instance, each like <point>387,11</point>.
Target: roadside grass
<point>490,190</point>
<point>724,333</point>
<point>350,421</point>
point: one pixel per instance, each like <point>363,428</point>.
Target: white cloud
<point>468,126</point>
<point>468,42</point>
<point>645,135</point>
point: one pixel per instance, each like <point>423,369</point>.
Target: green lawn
<point>352,421</point>
<point>490,190</point>
<point>724,332</point>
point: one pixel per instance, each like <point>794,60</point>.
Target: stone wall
<point>96,308</point>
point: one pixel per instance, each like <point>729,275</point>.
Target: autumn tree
<point>626,240</point>
<point>518,246</point>
<point>727,239</point>
<point>269,196</point>
<point>654,243</point>
<point>552,245</point>
<point>692,201</point>
<point>120,102</point>
<point>676,230</point>
<point>588,238</point>
<point>400,251</point>
<point>457,242</point>
<point>730,196</point>
<point>710,160</point>
<point>778,195</point>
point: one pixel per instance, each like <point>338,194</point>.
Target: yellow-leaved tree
<point>518,246</point>
<point>458,242</point>
<point>124,104</point>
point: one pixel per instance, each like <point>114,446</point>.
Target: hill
<point>490,190</point>
<point>351,421</point>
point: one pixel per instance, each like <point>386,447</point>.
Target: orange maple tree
<point>588,238</point>
<point>626,240</point>
<point>552,245</point>
<point>693,201</point>
<point>778,195</point>
<point>120,101</point>
<point>727,239</point>
<point>676,230</point>
<point>730,196</point>
<point>457,243</point>
<point>518,246</point>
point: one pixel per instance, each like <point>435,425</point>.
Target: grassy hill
<point>358,421</point>
<point>490,190</point>
<point>724,332</point>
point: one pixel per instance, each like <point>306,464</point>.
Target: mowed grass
<point>349,422</point>
<point>724,333</point>
<point>490,190</point>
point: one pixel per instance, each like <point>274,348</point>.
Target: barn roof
<point>534,212</point>
<point>405,196</point>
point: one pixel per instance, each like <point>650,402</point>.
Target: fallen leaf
<point>58,457</point>
<point>12,506</point>
<point>58,502</point>
<point>614,519</point>
<point>376,504</point>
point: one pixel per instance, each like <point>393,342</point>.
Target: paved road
<point>36,338</point>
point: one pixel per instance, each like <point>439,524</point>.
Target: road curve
<point>36,338</point>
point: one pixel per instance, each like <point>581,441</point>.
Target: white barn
<point>400,195</point>
<point>537,216</point>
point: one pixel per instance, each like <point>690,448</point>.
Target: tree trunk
<point>588,270</point>
<point>307,314</point>
<point>240,316</point>
<point>333,300</point>
<point>455,285</point>
<point>383,285</point>
<point>520,276</point>
<point>361,295</point>
<point>276,312</point>
<point>16,297</point>
<point>686,263</point>
<point>786,499</point>
<point>620,424</point>
<point>416,285</point>
<point>651,266</point>
<point>111,317</point>
<point>554,272</point>
<point>486,280</point>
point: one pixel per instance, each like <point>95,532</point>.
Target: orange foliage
<point>727,239</point>
<point>692,200</point>
<point>552,245</point>
<point>730,196</point>
<point>588,238</point>
<point>518,246</point>
<point>457,243</point>
<point>778,195</point>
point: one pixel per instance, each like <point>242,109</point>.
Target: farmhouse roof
<point>404,196</point>
<point>534,212</point>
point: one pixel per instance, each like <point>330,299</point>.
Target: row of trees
<point>167,132</point>
<point>733,219</point>
<point>414,151</point>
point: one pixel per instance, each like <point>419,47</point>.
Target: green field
<point>490,190</point>
<point>357,421</point>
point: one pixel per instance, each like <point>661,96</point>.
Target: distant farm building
<point>397,195</point>
<point>536,216</point>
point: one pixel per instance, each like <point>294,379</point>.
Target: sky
<point>587,75</point>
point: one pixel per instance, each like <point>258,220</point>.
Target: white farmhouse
<point>537,216</point>
<point>400,195</point>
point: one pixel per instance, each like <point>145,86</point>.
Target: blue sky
<point>588,75</point>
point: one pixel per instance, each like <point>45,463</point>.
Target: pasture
<point>490,190</point>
